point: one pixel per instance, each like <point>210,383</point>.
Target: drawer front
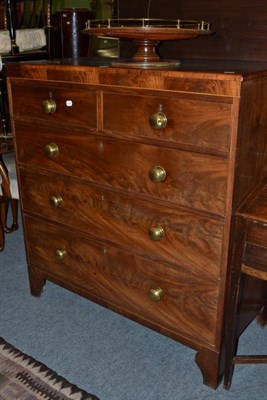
<point>201,123</point>
<point>74,106</point>
<point>188,306</point>
<point>160,232</point>
<point>257,233</point>
<point>192,179</point>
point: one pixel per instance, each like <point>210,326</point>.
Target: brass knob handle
<point>51,150</point>
<point>156,294</point>
<point>157,174</point>
<point>60,254</point>
<point>158,120</point>
<point>156,233</point>
<point>56,201</point>
<point>49,106</point>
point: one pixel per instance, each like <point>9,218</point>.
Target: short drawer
<point>64,104</point>
<point>162,233</point>
<point>189,179</point>
<point>192,122</point>
<point>187,304</point>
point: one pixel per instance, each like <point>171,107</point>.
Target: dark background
<point>240,27</point>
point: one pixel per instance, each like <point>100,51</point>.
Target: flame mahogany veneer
<point>91,208</point>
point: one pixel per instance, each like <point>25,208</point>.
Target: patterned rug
<point>24,378</point>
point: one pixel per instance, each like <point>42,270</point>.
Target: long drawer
<point>73,106</point>
<point>191,179</point>
<point>188,121</point>
<point>162,233</point>
<point>187,305</point>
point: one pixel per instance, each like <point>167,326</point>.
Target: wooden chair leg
<point>2,239</point>
<point>231,341</point>
<point>6,201</point>
<point>2,233</point>
<point>3,211</point>
<point>14,211</point>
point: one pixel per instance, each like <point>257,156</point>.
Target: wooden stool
<point>248,288</point>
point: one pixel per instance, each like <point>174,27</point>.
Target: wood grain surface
<point>191,242</point>
<point>189,305</point>
<point>194,180</point>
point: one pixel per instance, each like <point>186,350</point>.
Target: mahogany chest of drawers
<point>128,183</point>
